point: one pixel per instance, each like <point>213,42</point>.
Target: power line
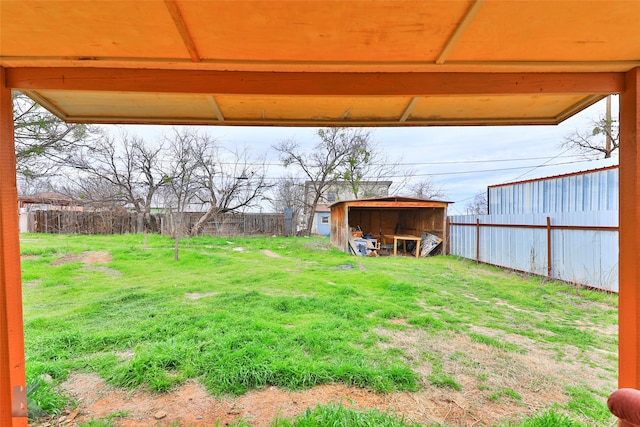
<point>539,166</point>
<point>447,162</point>
<point>546,164</point>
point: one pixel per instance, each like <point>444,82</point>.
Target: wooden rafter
<point>460,29</point>
<point>215,107</point>
<point>407,111</point>
<point>178,20</point>
<point>46,103</point>
<point>579,106</point>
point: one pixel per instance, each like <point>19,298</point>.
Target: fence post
<point>549,246</point>
<point>477,240</point>
<point>447,247</point>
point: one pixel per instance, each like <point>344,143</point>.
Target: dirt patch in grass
<point>89,257</point>
<point>32,283</point>
<point>489,378</point>
<point>196,295</point>
<point>192,405</point>
<point>271,254</point>
<point>109,271</point>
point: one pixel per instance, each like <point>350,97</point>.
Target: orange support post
<point>13,405</point>
<point>629,295</point>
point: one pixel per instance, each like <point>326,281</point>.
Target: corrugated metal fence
<point>577,247</point>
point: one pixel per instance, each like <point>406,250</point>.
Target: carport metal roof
<point>317,63</point>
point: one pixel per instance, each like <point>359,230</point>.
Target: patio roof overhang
<point>317,63</point>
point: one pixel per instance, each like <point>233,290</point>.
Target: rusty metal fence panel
<point>577,247</point>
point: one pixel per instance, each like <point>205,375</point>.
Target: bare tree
<point>127,163</point>
<point>479,205</point>
<point>43,141</point>
<point>287,193</point>
<point>427,189</point>
<point>183,157</point>
<point>30,185</point>
<point>230,180</point>
<point>324,164</point>
<point>93,192</point>
<point>601,140</point>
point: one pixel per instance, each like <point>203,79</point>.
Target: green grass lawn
<point>237,318</point>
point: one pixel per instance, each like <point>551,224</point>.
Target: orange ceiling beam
<point>312,83</point>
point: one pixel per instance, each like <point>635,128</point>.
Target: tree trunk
<point>199,225</point>
<point>607,132</point>
<point>312,215</point>
<point>140,223</point>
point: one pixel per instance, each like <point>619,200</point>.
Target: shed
<point>388,216</point>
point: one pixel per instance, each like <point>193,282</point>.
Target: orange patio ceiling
<point>392,63</point>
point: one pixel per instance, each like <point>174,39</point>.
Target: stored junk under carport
<point>388,221</point>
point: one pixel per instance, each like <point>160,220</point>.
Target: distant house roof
<point>49,197</point>
<point>390,201</point>
<point>322,207</point>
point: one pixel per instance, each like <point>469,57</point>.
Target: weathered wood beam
<point>310,83</point>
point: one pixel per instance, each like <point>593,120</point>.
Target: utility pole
<point>608,142</point>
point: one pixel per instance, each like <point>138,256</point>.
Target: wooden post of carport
<point>13,409</point>
<point>629,294</point>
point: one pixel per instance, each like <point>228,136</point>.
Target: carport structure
<point>317,63</point>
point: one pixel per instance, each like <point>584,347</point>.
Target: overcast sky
<point>461,160</point>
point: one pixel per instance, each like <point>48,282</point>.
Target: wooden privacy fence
<point>234,224</point>
<point>78,222</point>
<point>566,246</point>
<point>110,222</point>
